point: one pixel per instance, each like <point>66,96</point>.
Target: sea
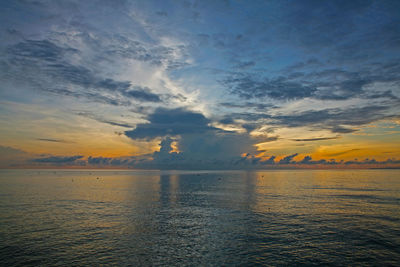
<point>199,218</point>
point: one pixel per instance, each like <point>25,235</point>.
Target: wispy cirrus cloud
<point>316,139</point>
<point>46,62</point>
<point>336,119</point>
<point>249,87</point>
<point>51,140</point>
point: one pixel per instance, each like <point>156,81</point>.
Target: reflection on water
<point>208,218</point>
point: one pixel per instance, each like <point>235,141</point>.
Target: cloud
<point>250,116</point>
<point>37,50</point>
<point>171,122</point>
<point>200,145</point>
<point>43,62</point>
<point>339,129</point>
<point>165,158</point>
<point>316,139</point>
<point>103,120</point>
<point>288,159</point>
<point>142,94</point>
<point>265,139</point>
<point>51,140</point>
<point>342,152</point>
<point>335,119</point>
<point>113,85</point>
<point>326,84</point>
<point>107,161</point>
<point>248,105</point>
<point>249,87</point>
<point>340,120</point>
<point>312,65</point>
<point>269,161</point>
<point>372,162</point>
<point>12,157</point>
<point>307,160</point>
<point>57,159</point>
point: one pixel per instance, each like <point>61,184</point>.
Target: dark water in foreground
<point>135,218</point>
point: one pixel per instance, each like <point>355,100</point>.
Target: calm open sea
<point>142,218</point>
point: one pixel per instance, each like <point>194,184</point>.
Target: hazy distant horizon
<point>299,168</point>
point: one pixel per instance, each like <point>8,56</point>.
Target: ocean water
<point>207,218</point>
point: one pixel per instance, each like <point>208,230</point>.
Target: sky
<point>199,84</point>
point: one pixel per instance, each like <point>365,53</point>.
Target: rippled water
<point>58,217</point>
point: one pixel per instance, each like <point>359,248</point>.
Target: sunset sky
<point>199,84</point>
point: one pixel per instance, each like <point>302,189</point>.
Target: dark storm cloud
<point>200,151</point>
<point>164,122</point>
<point>57,159</point>
<point>200,145</point>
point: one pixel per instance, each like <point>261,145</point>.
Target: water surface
<point>132,218</point>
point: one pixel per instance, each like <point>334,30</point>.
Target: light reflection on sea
<point>322,217</point>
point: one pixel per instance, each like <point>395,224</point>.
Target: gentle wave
<point>64,218</point>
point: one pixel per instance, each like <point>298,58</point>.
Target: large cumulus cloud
<point>171,122</point>
<point>199,143</point>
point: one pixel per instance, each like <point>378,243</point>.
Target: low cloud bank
<point>167,158</point>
